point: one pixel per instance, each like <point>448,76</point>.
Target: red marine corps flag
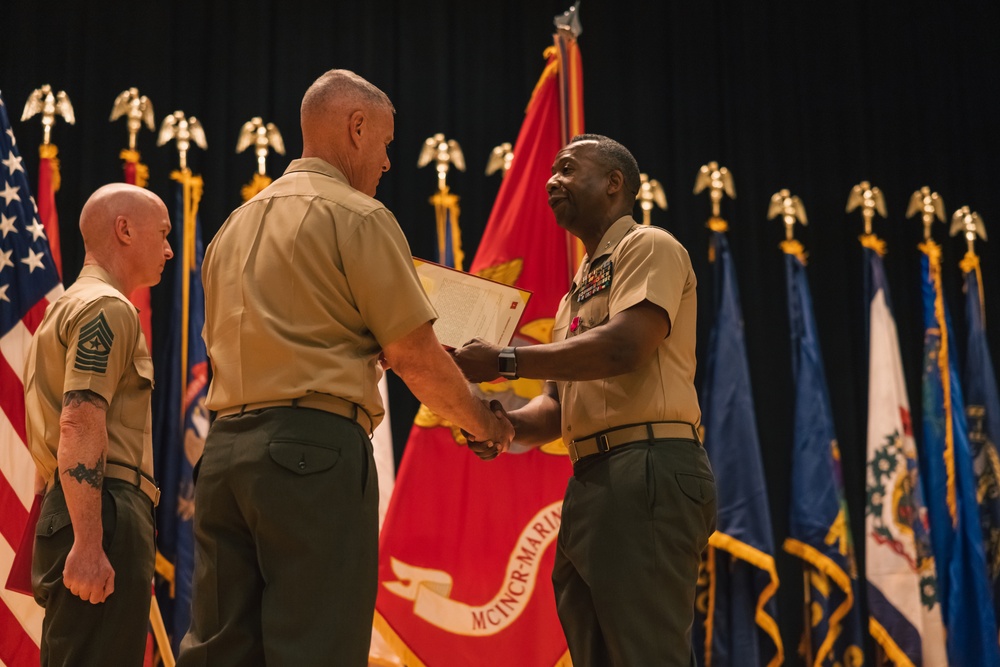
<point>466,558</point>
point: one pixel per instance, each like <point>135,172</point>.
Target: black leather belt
<point>605,441</point>
<point>325,402</point>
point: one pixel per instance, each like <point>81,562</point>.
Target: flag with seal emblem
<point>950,486</point>
<point>904,614</point>
<point>29,282</point>
<point>982,411</point>
<point>464,572</point>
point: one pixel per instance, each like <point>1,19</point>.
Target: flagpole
<point>50,105</point>
<point>185,130</point>
<point>650,193</point>
<point>444,153</point>
<point>263,137</point>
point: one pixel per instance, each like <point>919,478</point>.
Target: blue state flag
<point>180,419</point>
<point>982,411</point>
<point>736,614</point>
<point>950,487</point>
<point>819,529</point>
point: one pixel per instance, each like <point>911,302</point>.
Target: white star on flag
<point>36,230</point>
<point>3,293</point>
<point>13,162</point>
<point>7,224</point>
<point>5,259</point>
<point>34,260</point>
<point>9,193</point>
<point>13,141</point>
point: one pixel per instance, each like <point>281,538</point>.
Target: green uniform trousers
<point>634,524</point>
<point>76,633</point>
<point>286,542</point>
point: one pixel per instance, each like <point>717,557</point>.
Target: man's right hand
<point>88,573</point>
<point>488,448</point>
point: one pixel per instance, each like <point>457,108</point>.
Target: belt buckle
<point>574,456</point>
<point>603,446</point>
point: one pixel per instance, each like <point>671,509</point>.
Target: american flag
<point>28,283</point>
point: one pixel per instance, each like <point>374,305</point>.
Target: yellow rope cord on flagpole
<point>49,152</point>
<point>933,252</point>
<point>141,170</point>
<point>794,248</point>
<point>191,187</point>
<point>873,242</point>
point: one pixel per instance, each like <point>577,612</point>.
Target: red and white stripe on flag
<point>28,283</point>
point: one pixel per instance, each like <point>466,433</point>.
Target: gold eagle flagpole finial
<point>870,200</point>
<point>790,208</point>
<point>184,130</point>
<point>444,153</point>
<point>929,205</point>
<point>262,137</point>
<point>500,159</point>
<point>968,222</point>
<point>719,181</point>
<point>650,193</point>
<point>44,101</point>
<point>137,109</point>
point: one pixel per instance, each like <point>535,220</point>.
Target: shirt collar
<point>612,237</point>
<point>317,165</point>
<point>94,271</point>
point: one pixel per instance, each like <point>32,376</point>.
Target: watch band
<point>507,363</point>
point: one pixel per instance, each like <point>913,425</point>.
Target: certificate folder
<point>469,306</point>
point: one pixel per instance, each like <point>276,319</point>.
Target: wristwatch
<point>507,363</point>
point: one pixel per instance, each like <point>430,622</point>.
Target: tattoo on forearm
<point>92,476</point>
<point>77,397</point>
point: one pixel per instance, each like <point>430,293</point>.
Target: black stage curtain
<point>812,97</point>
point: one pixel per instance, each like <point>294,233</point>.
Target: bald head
<point>124,230</point>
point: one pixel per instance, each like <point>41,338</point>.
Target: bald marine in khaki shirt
<point>306,285</point>
<point>88,381</point>
<point>641,503</point>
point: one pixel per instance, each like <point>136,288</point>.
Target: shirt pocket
<point>593,312</point>
<point>135,398</point>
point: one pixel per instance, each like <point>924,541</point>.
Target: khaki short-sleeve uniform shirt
<point>633,264</point>
<point>304,286</point>
<point>90,339</point>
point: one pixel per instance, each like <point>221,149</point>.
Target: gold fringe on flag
<point>969,264</point>
<point>933,252</point>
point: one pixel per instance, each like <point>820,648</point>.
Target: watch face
<point>507,363</point>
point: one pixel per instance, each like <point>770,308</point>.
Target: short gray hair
<point>338,84</point>
<point>614,156</point>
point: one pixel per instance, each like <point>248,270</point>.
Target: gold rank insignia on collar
<point>596,281</point>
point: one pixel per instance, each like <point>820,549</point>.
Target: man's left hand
<point>478,360</point>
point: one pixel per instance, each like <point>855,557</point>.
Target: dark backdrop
<point>814,97</point>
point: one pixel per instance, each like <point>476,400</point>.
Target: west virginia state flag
<point>736,614</point>
<point>982,411</point>
<point>819,530</point>
<point>465,555</point>
<point>950,486</point>
<point>904,610</point>
<point>180,419</point>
